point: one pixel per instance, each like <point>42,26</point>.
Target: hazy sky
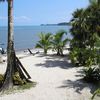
<point>35,12</point>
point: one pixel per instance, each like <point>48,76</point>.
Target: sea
<point>27,36</point>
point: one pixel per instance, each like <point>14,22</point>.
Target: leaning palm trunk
<point>58,51</point>
<point>45,51</point>
<point>8,79</point>
<point>13,64</point>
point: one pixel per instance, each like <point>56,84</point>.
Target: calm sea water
<point>27,36</point>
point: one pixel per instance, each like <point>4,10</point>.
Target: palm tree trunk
<point>45,51</point>
<point>13,63</point>
<point>58,51</point>
<point>8,79</point>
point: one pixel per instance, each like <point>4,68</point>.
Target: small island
<point>59,24</point>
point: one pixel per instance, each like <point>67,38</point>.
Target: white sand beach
<point>56,79</point>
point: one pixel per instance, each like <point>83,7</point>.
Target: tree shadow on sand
<point>56,61</point>
<point>78,85</point>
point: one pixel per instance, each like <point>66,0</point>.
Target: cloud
<point>3,18</point>
<point>22,18</point>
<point>19,18</point>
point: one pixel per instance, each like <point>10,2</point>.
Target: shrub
<point>92,74</point>
<point>59,41</point>
<point>84,57</point>
<point>1,59</point>
<point>17,79</point>
<point>44,42</point>
<point>74,56</point>
<point>1,79</point>
<point>96,93</point>
<point>86,35</point>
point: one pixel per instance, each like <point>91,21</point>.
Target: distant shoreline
<point>59,24</point>
<point>38,25</point>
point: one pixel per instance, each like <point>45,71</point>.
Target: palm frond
<point>47,36</point>
<point>59,34</point>
<point>38,46</point>
<point>95,93</point>
<point>65,41</point>
<point>59,41</point>
<point>44,42</point>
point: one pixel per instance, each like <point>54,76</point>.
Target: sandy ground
<point>56,79</point>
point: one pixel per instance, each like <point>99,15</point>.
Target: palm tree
<point>94,1</point>
<point>8,83</point>
<point>13,63</point>
<point>44,42</point>
<point>97,92</point>
<point>59,42</point>
<point>79,29</point>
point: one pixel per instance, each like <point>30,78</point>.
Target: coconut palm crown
<point>59,42</point>
<point>44,42</point>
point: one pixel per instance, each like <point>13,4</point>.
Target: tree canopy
<point>86,33</point>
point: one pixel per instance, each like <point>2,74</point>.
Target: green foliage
<point>90,57</point>
<point>94,1</point>
<point>97,44</point>
<point>85,45</point>
<point>59,42</point>
<point>26,86</point>
<point>44,42</point>
<point>18,82</point>
<point>86,34</point>
<point>1,79</point>
<point>92,74</point>
<point>19,88</point>
<point>86,57</point>
<point>97,92</point>
<point>1,61</point>
<point>17,79</point>
<point>74,55</point>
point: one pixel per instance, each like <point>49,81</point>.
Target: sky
<point>36,12</point>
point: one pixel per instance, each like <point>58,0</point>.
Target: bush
<point>44,42</point>
<point>86,35</point>
<point>97,92</point>
<point>17,79</point>
<point>92,74</point>
<point>1,59</point>
<point>84,57</point>
<point>1,79</point>
<point>74,56</point>
<point>90,57</point>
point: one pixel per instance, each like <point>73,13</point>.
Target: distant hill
<point>62,23</point>
<point>48,24</point>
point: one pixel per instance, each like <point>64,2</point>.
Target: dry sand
<point>56,79</point>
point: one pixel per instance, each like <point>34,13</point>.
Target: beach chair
<point>32,52</point>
